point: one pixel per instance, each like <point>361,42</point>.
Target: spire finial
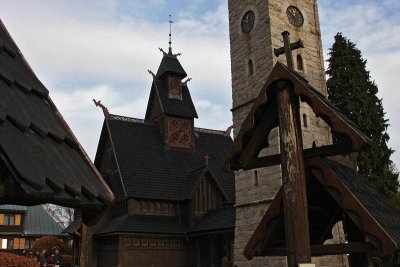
<point>170,34</point>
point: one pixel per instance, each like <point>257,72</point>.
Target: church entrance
<point>214,250</point>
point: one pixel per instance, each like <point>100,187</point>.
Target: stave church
<point>174,201</point>
<point>162,192</point>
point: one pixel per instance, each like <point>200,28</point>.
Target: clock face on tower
<point>248,21</point>
<point>295,16</point>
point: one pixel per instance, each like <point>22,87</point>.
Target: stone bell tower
<point>255,31</point>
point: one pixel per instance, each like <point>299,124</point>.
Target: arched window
<point>300,63</point>
<point>250,68</point>
<point>305,123</point>
<point>314,144</point>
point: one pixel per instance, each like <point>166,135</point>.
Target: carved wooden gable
<point>207,196</point>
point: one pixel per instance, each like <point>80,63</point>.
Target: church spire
<point>170,63</point>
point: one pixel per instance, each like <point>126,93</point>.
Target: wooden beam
<point>261,162</point>
<point>293,46</point>
<point>340,249</point>
<point>293,178</point>
<point>264,230</point>
<point>260,135</point>
<point>322,250</point>
<point>355,234</point>
<point>323,151</point>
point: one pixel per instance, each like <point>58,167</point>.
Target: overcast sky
<point>90,49</point>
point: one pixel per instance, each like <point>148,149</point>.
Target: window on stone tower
<point>305,123</point>
<point>250,69</point>
<point>255,178</point>
<point>300,63</point>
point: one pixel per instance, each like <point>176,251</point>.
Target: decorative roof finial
<point>105,110</point>
<point>170,34</point>
<point>152,73</point>
<point>186,82</point>
<point>229,130</point>
<point>170,41</point>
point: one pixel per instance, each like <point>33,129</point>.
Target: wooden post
<point>293,176</point>
<point>288,50</point>
<point>212,250</point>
<point>354,234</point>
<point>198,252</point>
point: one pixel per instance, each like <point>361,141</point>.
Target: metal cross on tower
<point>288,48</point>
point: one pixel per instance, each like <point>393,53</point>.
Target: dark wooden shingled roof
<point>176,107</point>
<point>149,224</point>
<point>170,64</point>
<point>41,160</point>
<point>148,170</point>
<point>216,220</point>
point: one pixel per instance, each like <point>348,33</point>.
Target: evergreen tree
<point>351,90</point>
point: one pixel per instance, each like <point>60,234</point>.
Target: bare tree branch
<point>62,215</point>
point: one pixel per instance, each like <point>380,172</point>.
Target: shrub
<point>12,260</point>
<point>48,243</point>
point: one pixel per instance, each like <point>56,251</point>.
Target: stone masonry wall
<point>255,191</point>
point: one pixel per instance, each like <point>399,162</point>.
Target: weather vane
<point>170,40</point>
<point>170,33</point>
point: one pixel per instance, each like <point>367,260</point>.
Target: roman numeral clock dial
<point>295,16</point>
